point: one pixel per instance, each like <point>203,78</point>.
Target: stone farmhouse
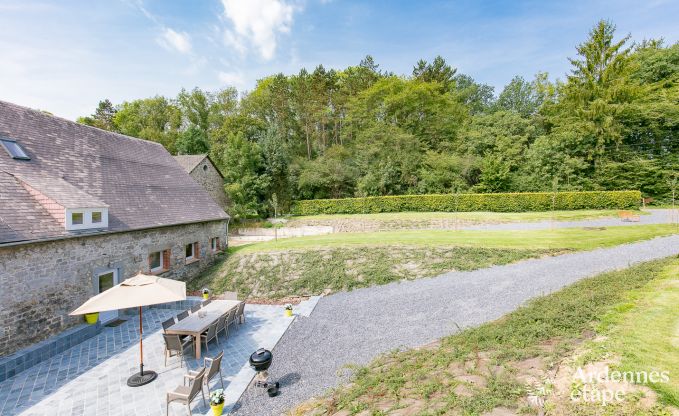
<point>205,172</point>
<point>82,209</point>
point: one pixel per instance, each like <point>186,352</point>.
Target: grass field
<point>521,363</point>
<point>564,238</point>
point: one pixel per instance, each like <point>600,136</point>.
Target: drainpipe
<point>227,232</point>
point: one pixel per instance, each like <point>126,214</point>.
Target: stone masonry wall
<point>208,177</point>
<point>42,282</point>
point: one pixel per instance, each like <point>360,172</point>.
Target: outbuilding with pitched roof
<point>82,209</point>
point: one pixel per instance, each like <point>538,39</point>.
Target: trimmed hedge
<point>509,202</point>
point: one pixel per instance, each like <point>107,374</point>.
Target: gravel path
<point>356,326</point>
<point>656,216</point>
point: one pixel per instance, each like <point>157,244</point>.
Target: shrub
<point>507,202</point>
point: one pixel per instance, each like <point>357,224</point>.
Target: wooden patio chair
<point>182,315</point>
<point>186,394</point>
<point>195,308</point>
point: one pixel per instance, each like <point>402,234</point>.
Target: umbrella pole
<point>141,378</point>
<point>141,346</point>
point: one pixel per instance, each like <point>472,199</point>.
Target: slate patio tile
<point>90,377</point>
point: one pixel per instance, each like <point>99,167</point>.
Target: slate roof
<point>140,182</point>
<point>189,162</point>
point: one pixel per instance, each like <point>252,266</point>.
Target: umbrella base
<point>137,380</point>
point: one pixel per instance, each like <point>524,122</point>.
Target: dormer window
<point>14,149</point>
<point>86,218</point>
<point>77,218</point>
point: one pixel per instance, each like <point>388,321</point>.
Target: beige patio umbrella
<point>140,290</point>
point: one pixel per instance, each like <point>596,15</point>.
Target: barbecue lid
<point>261,356</point>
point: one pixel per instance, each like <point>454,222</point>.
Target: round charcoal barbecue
<point>261,360</point>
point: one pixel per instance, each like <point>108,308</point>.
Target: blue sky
<point>64,56</point>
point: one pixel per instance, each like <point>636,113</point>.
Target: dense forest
<point>612,123</point>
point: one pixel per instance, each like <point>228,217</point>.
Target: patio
<point>90,378</point>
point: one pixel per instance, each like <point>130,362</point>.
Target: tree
<point>275,161</point>
<point>246,184</point>
<point>446,172</point>
<point>438,71</point>
<point>519,96</point>
<point>418,108</point>
<point>387,159</point>
<point>495,174</point>
<point>155,119</point>
<point>192,141</point>
<point>478,98</point>
<point>332,175</point>
<point>597,88</point>
<point>103,116</point>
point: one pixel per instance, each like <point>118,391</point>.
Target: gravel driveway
<point>356,326</point>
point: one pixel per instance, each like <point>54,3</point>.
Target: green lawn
<point>486,367</point>
<point>644,332</point>
<point>490,217</point>
<point>565,238</point>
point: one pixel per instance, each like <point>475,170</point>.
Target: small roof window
<point>14,149</point>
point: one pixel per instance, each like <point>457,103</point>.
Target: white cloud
<point>232,79</point>
<point>257,23</point>
<point>172,40</point>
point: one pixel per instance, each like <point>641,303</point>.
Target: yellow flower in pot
<point>217,402</point>
<point>206,294</point>
<point>92,318</point>
<point>288,310</point>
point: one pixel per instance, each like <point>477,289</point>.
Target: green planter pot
<point>92,318</point>
<point>217,409</point>
<point>206,296</point>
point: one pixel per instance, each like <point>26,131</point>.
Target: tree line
<point>612,123</point>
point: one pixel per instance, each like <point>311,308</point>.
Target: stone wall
<point>209,178</point>
<point>42,282</point>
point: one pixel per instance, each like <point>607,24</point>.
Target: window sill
<point>158,272</point>
<point>191,261</point>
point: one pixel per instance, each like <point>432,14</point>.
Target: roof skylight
<point>14,149</point>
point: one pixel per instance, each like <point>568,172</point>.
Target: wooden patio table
<point>194,324</point>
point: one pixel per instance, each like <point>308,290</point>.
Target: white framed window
<point>86,218</point>
<point>190,251</point>
<point>77,218</point>
<point>214,244</point>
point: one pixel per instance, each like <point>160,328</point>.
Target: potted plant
<point>206,293</point>
<point>92,318</point>
<point>288,310</point>
<point>217,402</point>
